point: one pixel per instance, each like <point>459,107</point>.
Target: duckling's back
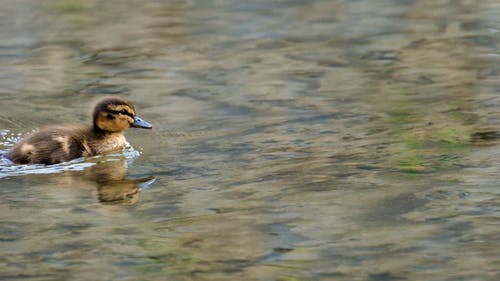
<point>50,145</point>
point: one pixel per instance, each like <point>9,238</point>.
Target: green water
<point>293,140</point>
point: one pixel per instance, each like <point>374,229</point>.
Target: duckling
<point>55,144</point>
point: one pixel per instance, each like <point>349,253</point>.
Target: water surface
<point>293,140</point>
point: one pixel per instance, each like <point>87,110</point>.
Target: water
<point>292,140</point>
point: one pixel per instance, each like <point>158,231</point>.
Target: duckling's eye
<point>110,116</point>
<point>124,112</point>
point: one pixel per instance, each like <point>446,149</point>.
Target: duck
<point>111,117</point>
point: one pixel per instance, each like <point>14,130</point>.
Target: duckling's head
<point>114,114</point>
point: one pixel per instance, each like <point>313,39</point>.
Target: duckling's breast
<point>109,143</point>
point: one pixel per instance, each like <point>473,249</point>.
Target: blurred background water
<point>293,140</point>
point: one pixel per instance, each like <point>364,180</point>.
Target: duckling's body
<point>55,144</point>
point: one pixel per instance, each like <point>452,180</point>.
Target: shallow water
<point>292,140</point>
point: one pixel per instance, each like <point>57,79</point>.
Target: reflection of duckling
<point>51,145</point>
<point>113,186</point>
<point>124,191</point>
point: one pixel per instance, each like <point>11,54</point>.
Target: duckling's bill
<point>141,123</point>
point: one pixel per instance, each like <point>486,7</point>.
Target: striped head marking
<point>113,115</point>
